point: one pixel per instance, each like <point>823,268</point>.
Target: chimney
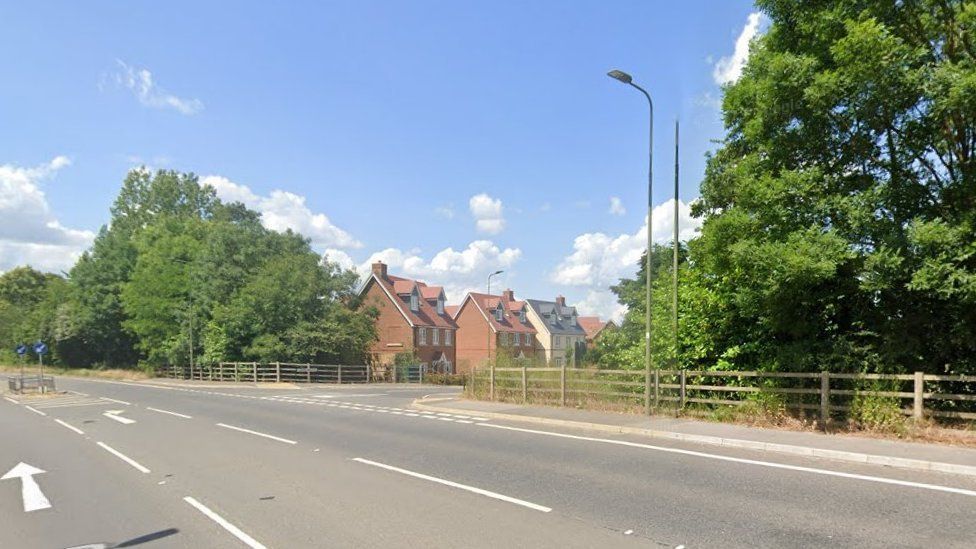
<point>508,295</point>
<point>379,269</point>
<point>561,301</point>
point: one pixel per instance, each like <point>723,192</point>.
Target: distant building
<point>492,324</point>
<point>413,318</point>
<point>593,327</point>
<point>558,330</point>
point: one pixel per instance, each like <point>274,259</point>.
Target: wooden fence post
<point>919,410</point>
<point>393,367</point>
<point>657,388</point>
<point>491,387</point>
<point>525,386</point>
<point>308,373</point>
<point>277,372</point>
<point>368,368</point>
<point>562,384</point>
<point>237,371</point>
<point>824,398</point>
<point>340,374</point>
<point>255,364</point>
<point>684,392</point>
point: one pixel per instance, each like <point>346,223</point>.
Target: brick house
<point>561,338</point>
<point>412,318</point>
<point>593,327</point>
<point>489,324</point>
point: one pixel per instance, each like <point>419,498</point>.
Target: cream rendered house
<point>557,330</point>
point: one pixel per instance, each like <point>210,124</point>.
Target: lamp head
<point>620,75</point>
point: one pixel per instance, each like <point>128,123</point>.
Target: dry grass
<point>117,374</point>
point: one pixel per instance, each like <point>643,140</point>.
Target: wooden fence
<point>822,393</point>
<point>278,372</point>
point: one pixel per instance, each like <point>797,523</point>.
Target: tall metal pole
<point>491,366</point>
<point>626,79</point>
<point>674,266</point>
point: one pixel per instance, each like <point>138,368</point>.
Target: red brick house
<point>593,327</point>
<point>412,317</point>
<point>489,324</point>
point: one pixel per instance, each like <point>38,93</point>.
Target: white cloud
<point>488,213</point>
<point>30,233</point>
<point>599,260</point>
<point>602,303</point>
<point>447,212</point>
<point>283,210</point>
<point>459,272</point>
<point>617,206</point>
<point>728,69</point>
<point>140,82</point>
<point>339,257</point>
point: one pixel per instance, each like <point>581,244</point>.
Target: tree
<point>840,211</point>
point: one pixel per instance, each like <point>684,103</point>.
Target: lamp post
<point>491,366</point>
<point>627,79</point>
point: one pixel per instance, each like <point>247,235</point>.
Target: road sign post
<point>40,348</point>
<point>21,352</point>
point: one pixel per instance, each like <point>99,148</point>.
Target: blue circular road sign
<point>40,348</point>
<point>21,349</point>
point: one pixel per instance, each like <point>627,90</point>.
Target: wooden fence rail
<point>919,395</point>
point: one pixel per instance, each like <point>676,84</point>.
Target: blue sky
<point>448,138</point>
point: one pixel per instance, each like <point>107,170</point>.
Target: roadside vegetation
<point>177,271</point>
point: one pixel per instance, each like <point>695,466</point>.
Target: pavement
<point>222,465</point>
<point>844,447</point>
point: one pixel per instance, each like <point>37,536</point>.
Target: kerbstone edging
<point>855,457</point>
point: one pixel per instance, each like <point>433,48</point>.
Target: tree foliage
<point>840,209</point>
<point>178,271</point>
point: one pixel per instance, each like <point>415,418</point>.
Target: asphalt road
<point>207,465</point>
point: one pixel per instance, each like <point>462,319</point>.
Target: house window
<point>447,337</point>
<point>437,337</point>
<point>517,336</point>
<point>422,336</point>
<point>559,362</point>
<point>555,342</point>
<point>528,340</point>
<point>414,302</point>
<point>440,305</point>
<point>498,313</point>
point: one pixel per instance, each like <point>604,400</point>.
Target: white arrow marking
<point>34,499</point>
<point>114,414</point>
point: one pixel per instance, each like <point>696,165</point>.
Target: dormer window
<point>573,318</point>
<point>499,313</point>
<point>522,316</point>
<point>440,304</point>
<point>414,301</point>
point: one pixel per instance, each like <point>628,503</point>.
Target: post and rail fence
<point>823,394</point>
<point>289,372</point>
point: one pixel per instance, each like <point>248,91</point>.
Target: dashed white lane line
<point>770,464</point>
<point>235,531</point>
<point>124,458</point>
<point>117,401</point>
<point>265,435</point>
<point>8,399</point>
<point>184,416</point>
<point>69,426</point>
<point>35,410</point>
<point>453,484</point>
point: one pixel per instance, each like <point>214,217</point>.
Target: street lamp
<point>627,79</point>
<point>491,366</point>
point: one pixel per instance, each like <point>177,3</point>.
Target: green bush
<point>877,413</point>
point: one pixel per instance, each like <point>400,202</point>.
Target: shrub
<point>877,413</point>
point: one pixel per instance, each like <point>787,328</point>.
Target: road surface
<point>215,465</point>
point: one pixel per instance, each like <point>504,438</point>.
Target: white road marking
<point>124,457</point>
<point>771,464</point>
<point>464,421</point>
<point>184,416</point>
<point>35,410</point>
<point>8,399</point>
<point>78,393</point>
<point>114,414</point>
<point>34,499</point>
<point>243,430</point>
<point>452,484</point>
<point>235,531</point>
<point>117,401</point>
<point>72,427</point>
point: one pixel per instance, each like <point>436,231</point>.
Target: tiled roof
<point>591,325</point>
<point>426,313</point>
<point>558,318</point>
<point>430,292</point>
<point>452,310</point>
<point>510,321</point>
